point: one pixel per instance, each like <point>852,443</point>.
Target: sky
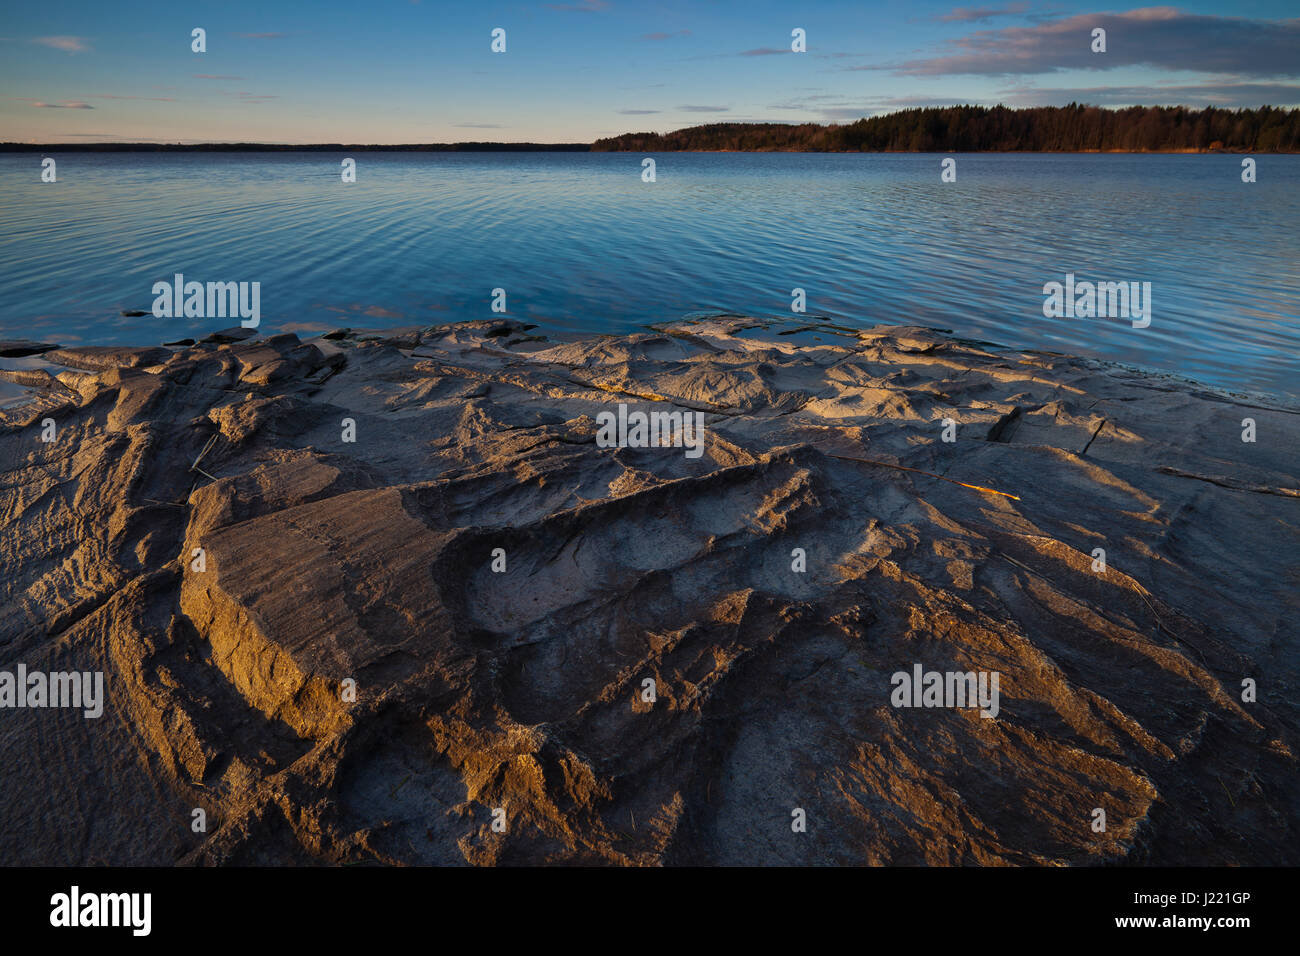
<point>419,71</point>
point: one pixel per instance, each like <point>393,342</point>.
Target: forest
<point>1073,128</point>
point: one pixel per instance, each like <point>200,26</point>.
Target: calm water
<point>580,242</point>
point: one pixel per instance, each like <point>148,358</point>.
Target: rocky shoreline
<point>351,595</point>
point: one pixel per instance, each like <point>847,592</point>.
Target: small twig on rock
<point>885,464</point>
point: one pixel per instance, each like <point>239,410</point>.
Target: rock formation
<point>202,532</point>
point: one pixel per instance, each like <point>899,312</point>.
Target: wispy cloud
<point>763,51</point>
<point>636,112</point>
<point>71,105</point>
<point>119,137</point>
<point>888,104</point>
<point>582,6</point>
<point>67,44</point>
<point>704,109</point>
<point>114,96</point>
<point>246,96</point>
<point>1160,37</point>
<point>1225,95</point>
<point>665,36</point>
<point>836,108</point>
<point>845,109</point>
<point>478,125</point>
<point>980,14</point>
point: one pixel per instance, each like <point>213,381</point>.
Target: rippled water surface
<point>578,241</point>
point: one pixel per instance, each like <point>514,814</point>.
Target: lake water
<point>580,242</point>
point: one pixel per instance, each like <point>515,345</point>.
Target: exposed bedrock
<point>238,534</point>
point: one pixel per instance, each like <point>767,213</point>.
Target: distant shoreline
<point>957,129</point>
<point>286,148</point>
<point>568,148</point>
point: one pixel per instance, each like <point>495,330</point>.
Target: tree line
<point>1073,128</point>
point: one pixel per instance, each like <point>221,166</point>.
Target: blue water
<point>580,242</point>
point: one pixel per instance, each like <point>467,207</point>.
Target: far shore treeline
<point>957,129</point>
<point>966,129</point>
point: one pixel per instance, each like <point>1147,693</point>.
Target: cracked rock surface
<point>326,561</point>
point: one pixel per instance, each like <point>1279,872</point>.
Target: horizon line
<point>525,145</point>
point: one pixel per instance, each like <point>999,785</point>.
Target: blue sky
<point>396,71</point>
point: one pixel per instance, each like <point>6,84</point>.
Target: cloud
<point>71,105</point>
<point>1224,95</point>
<point>582,6</point>
<point>913,102</point>
<point>837,114</point>
<point>132,138</point>
<point>215,76</point>
<point>66,44</point>
<point>112,96</point>
<point>767,120</point>
<point>636,112</point>
<point>980,14</point>
<point>835,108</point>
<point>246,96</point>
<point>704,109</point>
<point>665,36</point>
<point>1161,37</point>
<point>891,104</point>
<point>763,51</point>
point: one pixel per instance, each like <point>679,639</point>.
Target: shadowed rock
<point>20,348</point>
